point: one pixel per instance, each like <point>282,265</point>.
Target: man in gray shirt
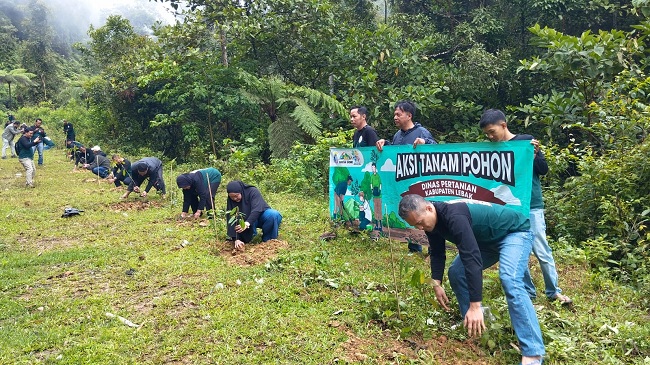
<point>8,135</point>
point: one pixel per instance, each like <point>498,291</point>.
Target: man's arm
<point>460,228</point>
<point>437,262</point>
<point>426,136</point>
<point>25,143</point>
<point>152,180</point>
<point>540,167</point>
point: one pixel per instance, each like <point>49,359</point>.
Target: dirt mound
<point>440,350</point>
<point>253,254</point>
<point>134,205</point>
<point>404,235</point>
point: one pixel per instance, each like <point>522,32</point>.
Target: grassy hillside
<point>299,300</point>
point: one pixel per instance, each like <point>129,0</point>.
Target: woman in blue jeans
<point>254,211</point>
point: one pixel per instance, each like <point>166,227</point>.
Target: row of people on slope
<point>123,172</point>
<point>464,225</point>
<point>199,189</point>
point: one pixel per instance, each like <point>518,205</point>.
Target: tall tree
<point>37,54</point>
<point>8,44</point>
<point>19,77</point>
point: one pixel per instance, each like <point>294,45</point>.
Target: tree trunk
<point>44,88</point>
<point>224,50</point>
<point>214,148</point>
<point>9,83</point>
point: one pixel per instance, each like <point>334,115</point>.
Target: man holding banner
<point>409,133</point>
<point>484,234</point>
<point>494,125</point>
<point>364,135</point>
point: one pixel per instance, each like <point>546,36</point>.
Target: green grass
<point>315,303</point>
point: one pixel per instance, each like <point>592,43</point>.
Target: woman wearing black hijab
<point>197,194</point>
<point>256,213</point>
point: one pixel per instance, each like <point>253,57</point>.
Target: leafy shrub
<point>608,200</point>
<point>304,171</point>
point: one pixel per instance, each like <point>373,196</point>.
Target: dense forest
<point>266,84</point>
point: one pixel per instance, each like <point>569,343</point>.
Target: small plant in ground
<point>235,217</point>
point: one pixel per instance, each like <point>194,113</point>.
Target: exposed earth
<point>253,254</point>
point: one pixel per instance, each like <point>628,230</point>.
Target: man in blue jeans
<point>484,234</point>
<point>494,125</point>
<point>100,166</point>
<point>39,132</point>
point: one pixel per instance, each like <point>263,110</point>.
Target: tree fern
<point>291,109</point>
<point>283,134</point>
<point>306,118</point>
<point>18,76</point>
<point>324,101</point>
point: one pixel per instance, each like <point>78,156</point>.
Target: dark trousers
<point>209,205</point>
<point>121,179</point>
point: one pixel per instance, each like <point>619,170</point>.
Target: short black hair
<point>406,106</point>
<point>361,110</point>
<point>491,117</point>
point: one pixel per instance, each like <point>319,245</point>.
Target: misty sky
<point>161,9</point>
<point>71,19</point>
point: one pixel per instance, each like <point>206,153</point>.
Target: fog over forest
<point>70,19</point>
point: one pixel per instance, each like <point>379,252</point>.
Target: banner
<point>366,185</point>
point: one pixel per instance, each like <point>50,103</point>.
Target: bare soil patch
<point>253,254</point>
<point>404,235</point>
<point>42,244</point>
<point>440,349</point>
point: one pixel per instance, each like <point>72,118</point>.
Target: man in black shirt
<point>484,234</point>
<point>147,168</point>
<point>364,135</point>
<point>121,171</point>
<point>68,129</point>
<point>82,155</point>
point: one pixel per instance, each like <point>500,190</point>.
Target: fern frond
<point>282,135</point>
<point>322,100</point>
<point>306,118</point>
